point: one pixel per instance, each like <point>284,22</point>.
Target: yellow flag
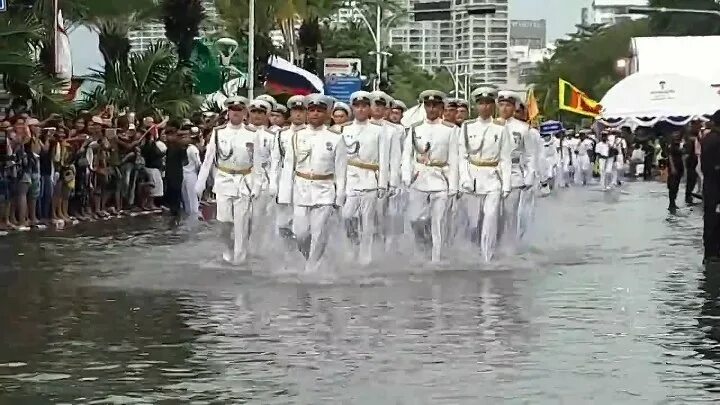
<point>533,110</point>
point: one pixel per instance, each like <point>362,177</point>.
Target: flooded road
<point>609,305</point>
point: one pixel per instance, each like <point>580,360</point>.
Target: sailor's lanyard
<point>468,151</point>
<point>220,155</point>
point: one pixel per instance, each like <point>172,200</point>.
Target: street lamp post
<point>377,31</point>
<point>251,52</point>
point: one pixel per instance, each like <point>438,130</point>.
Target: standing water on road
<point>609,305</point>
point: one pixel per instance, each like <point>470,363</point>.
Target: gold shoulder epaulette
<point>449,124</point>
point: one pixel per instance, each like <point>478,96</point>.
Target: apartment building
<point>613,11</point>
<point>480,42</point>
<point>150,33</point>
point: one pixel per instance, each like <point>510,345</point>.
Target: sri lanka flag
<point>570,98</point>
<point>282,77</point>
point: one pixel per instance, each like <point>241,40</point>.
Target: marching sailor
<point>281,167</point>
<point>526,208</point>
<point>549,158</point>
<point>278,115</point>
<point>618,151</point>
<point>484,170</point>
<point>319,161</point>
<point>258,118</point>
<point>397,109</point>
<point>341,114</point>
<point>602,155</point>
<point>463,111</point>
<point>523,162</point>
<point>583,168</point>
<point>367,174</point>
<point>231,151</point>
<point>389,212</point>
<point>450,112</point>
<point>568,145</point>
<point>430,171</point>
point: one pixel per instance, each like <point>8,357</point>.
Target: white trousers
<point>526,211</point>
<point>191,204</point>
<point>583,173</point>
<point>484,208</point>
<point>603,164</point>
<point>310,225</point>
<point>510,208</point>
<point>363,205</point>
<point>429,206</point>
<point>237,211</point>
<point>283,216</point>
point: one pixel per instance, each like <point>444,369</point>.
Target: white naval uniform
<point>368,171</point>
<point>583,169</point>
<point>602,150</point>
<point>236,183</point>
<point>430,171</point>
<point>618,162</point>
<point>484,174</point>
<point>526,207</point>
<point>548,161</point>
<point>522,175</point>
<point>567,160</point>
<point>190,200</point>
<point>319,159</point>
<point>281,176</point>
<point>264,204</point>
<point>390,206</point>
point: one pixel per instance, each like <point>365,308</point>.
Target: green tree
<point>587,60</point>
<point>151,84</point>
<point>182,19</point>
<point>679,24</point>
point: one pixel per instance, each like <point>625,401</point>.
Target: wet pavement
<point>608,305</point>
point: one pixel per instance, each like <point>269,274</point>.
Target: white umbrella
<point>647,98</point>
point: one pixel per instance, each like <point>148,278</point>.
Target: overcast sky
<point>561,16</point>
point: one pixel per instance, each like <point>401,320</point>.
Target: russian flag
<point>282,77</point>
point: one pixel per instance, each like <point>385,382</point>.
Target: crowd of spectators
<point>90,166</point>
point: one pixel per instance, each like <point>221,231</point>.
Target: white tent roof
<point>682,55</point>
<point>647,98</point>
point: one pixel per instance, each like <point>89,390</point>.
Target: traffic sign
<point>3,5</point>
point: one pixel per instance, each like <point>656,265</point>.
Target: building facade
<point>478,42</point>
<point>150,33</point>
<point>530,33</point>
<point>614,11</point>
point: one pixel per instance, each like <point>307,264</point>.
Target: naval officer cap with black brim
<point>236,101</point>
<point>509,97</point>
<point>398,105</point>
<point>380,97</point>
<point>270,99</point>
<point>318,100</point>
<point>259,104</point>
<point>342,106</point>
<point>279,108</point>
<point>360,96</point>
<point>432,97</point>
<point>296,102</point>
<point>484,95</point>
<point>463,103</point>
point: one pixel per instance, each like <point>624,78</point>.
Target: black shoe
<point>673,209</point>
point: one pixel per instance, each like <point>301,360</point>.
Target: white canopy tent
<point>644,99</point>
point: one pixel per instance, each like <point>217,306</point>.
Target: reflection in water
<point>598,311</point>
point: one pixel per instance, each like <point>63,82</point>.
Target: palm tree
<point>151,84</point>
<point>182,20</point>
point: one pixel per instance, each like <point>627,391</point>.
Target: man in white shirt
<point>430,172</point>
<point>605,166</point>
<point>583,166</point>
<point>484,170</point>
<point>523,163</point>
<point>231,151</point>
<point>367,174</point>
<point>281,168</point>
<point>319,160</point>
